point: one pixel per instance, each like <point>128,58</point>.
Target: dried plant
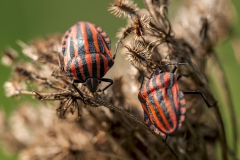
<point>123,8</point>
<point>91,130</point>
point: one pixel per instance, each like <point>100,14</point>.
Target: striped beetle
<point>163,103</point>
<point>87,56</point>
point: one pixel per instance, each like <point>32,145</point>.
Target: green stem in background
<point>227,94</point>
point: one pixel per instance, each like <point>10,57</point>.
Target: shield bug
<point>163,103</point>
<point>87,56</point>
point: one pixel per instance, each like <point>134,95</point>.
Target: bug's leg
<point>106,80</point>
<point>59,61</point>
<point>199,92</point>
<point>165,139</point>
<point>142,80</point>
<point>75,87</point>
<point>179,76</point>
<point>79,110</point>
<point>174,69</point>
<point>182,75</point>
<point>116,48</point>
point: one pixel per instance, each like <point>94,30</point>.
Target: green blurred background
<point>25,20</point>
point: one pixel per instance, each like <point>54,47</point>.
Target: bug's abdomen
<point>88,66</point>
<point>162,99</point>
<point>163,113</point>
<point>86,51</point>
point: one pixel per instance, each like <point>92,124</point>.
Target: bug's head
<point>92,83</point>
<point>156,72</point>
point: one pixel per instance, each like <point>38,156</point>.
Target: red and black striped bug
<point>163,103</point>
<point>87,56</point>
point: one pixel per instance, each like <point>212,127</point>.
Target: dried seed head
<point>9,56</point>
<point>24,72</point>
<point>10,89</point>
<point>69,105</point>
<point>123,8</point>
<point>124,32</point>
<point>35,133</point>
<point>41,49</point>
<point>140,25</point>
<point>28,50</point>
<point>138,55</point>
<point>13,88</point>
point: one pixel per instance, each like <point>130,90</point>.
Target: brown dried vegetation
<point>93,131</point>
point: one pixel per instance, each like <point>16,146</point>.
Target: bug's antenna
<point>174,69</point>
<point>116,48</point>
<point>165,63</point>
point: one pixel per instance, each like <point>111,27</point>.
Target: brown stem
<point>150,7</point>
<point>197,140</point>
<point>48,96</point>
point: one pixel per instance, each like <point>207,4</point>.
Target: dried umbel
<point>149,41</point>
<point>38,134</point>
<point>43,79</point>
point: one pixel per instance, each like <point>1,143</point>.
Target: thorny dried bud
<point>123,8</point>
<point>138,55</point>
<point>123,32</point>
<point>140,26</point>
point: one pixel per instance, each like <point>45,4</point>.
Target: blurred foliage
<point>25,20</point>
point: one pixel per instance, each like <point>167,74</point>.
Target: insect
<point>163,103</point>
<point>87,56</point>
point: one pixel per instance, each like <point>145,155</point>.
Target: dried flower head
<point>123,8</point>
